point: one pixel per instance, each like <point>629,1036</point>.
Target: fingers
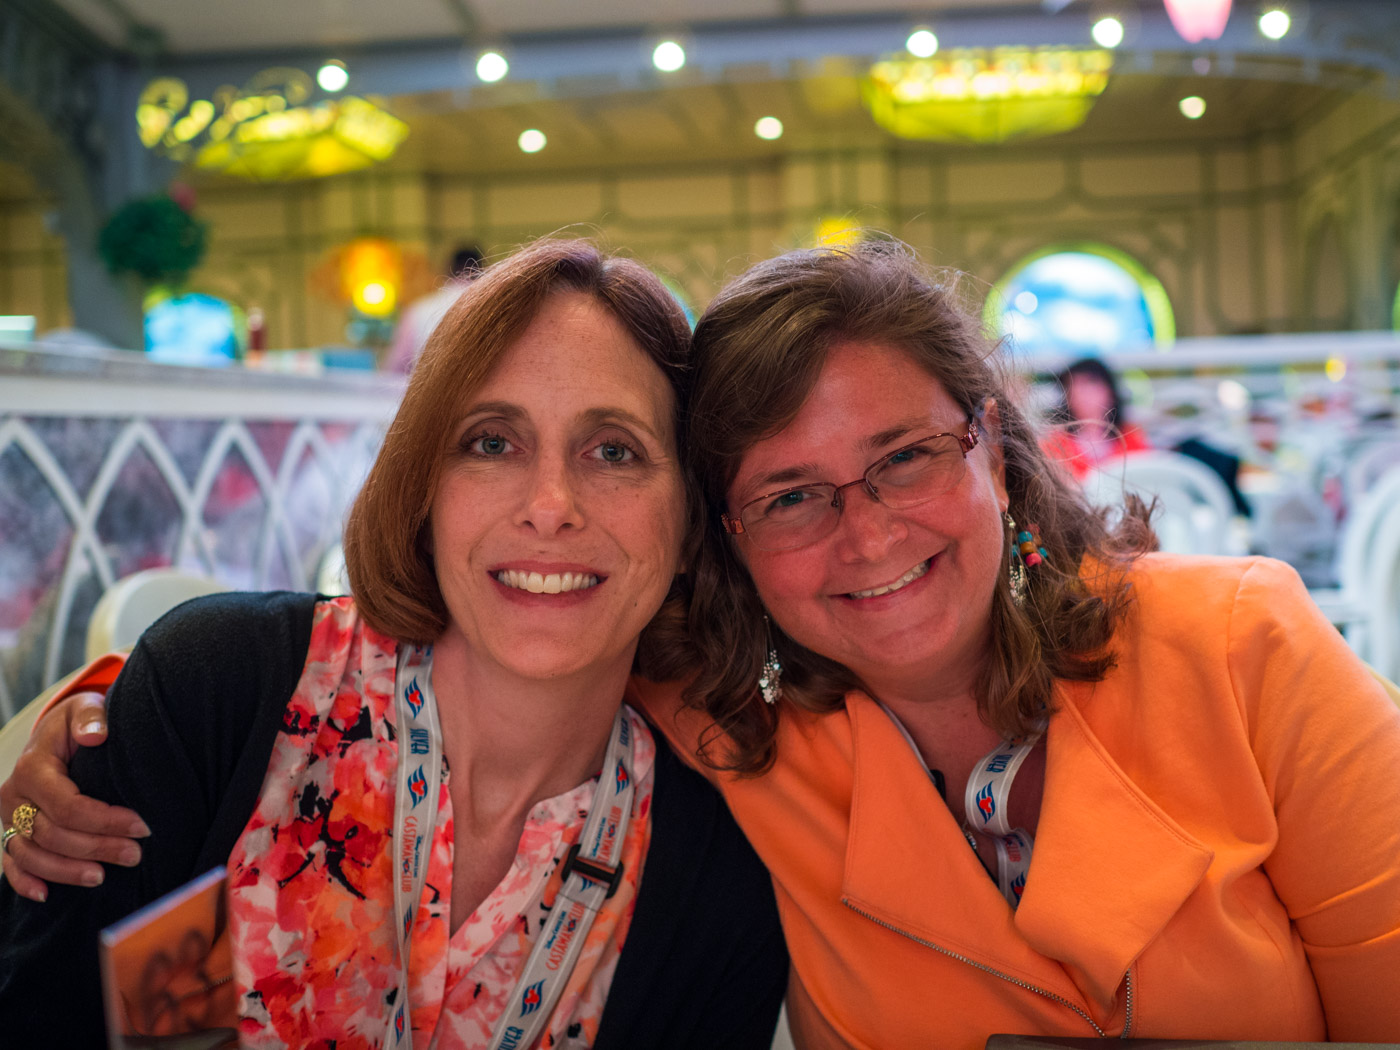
<point>73,834</point>
<point>87,720</point>
<point>55,854</point>
<point>24,884</point>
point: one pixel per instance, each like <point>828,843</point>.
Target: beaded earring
<point>1026,553</point>
<point>770,678</point>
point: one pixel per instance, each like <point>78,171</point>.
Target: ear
<point>996,457</point>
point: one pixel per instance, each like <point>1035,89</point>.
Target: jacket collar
<point>1108,871</point>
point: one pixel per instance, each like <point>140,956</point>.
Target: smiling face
<point>557,520</point>
<point>901,597</point>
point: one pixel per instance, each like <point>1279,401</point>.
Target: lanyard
<point>591,874</point>
<point>418,783</point>
<point>591,871</point>
<point>986,798</point>
<point>988,789</point>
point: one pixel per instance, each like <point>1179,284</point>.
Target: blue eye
<point>614,452</point>
<point>489,445</point>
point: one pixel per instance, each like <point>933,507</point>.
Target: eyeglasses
<point>906,477</point>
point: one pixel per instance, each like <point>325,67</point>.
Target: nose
<point>550,502</point>
<point>868,529</point>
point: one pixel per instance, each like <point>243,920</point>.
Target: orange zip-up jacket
<point>1218,852</point>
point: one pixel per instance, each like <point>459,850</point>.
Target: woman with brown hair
<point>1009,772</point>
<point>1014,773</point>
<point>441,823</point>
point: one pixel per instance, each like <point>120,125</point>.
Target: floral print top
<point>311,903</point>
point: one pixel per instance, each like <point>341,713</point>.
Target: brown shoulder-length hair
<point>758,350</point>
<point>388,560</point>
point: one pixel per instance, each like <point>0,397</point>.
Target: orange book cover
<point>167,972</point>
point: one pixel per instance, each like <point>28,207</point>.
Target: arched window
<point>1080,300</point>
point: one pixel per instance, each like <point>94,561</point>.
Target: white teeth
<point>546,583</point>
<point>904,581</point>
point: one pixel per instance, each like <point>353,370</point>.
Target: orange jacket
<point>1218,848</point>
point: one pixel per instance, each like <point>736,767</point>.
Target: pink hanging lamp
<point>1198,20</point>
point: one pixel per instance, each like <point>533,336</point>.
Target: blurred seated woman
<point>1017,775</point>
<point>1009,772</point>
<point>1091,426</point>
<point>523,524</point>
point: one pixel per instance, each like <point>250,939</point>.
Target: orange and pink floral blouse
<point>310,891</point>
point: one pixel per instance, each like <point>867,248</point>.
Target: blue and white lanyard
<point>985,804</point>
<point>592,868</point>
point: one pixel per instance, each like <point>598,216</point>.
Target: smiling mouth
<point>546,583</point>
<point>904,581</point>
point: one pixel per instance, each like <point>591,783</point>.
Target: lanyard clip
<point>591,870</point>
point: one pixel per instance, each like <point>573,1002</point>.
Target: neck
<point>512,742</point>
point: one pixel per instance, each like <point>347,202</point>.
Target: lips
<point>909,577</point>
<point>545,582</point>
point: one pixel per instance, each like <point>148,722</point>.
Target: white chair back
<point>135,602</point>
<point>1195,506</point>
<point>1368,571</point>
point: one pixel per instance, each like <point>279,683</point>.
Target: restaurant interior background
<point>1212,208</point>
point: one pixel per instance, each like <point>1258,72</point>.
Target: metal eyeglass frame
<point>966,442</point>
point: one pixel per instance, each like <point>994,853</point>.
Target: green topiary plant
<point>154,238</point>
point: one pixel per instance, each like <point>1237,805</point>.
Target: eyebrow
<point>592,417</point>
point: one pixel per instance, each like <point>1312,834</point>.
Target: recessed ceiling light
<point>1108,32</point>
<point>1192,107</point>
<point>332,76</point>
<point>668,56</point>
<point>531,140</point>
<point>1274,23</point>
<point>492,66</point>
<point>922,43</point>
<point>768,128</point>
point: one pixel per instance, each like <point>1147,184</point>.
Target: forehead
<point>574,355</point>
<point>866,396</point>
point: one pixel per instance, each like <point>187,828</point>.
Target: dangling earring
<point>1026,553</point>
<point>1017,570</point>
<point>770,679</point>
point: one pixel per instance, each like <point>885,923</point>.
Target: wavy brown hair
<point>386,554</point>
<point>758,350</point>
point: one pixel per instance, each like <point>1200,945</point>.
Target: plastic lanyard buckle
<point>591,870</point>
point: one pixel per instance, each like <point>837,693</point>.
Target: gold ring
<point>23,819</point>
<point>5,839</point>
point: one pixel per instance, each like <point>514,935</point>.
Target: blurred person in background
<point>423,315</point>
<point>1091,427</point>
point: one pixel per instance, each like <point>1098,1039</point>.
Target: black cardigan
<point>704,963</point>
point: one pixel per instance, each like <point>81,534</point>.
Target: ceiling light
<point>668,57</point>
<point>1108,32</point>
<point>531,140</point>
<point>768,128</point>
<point>922,43</point>
<point>332,76</point>
<point>1275,23</point>
<point>492,66</point>
<point>1192,107</point>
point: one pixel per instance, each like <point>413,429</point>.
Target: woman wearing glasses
<point>1009,773</point>
<point>1016,775</point>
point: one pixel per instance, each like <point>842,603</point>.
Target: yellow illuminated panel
<point>268,129</point>
<point>986,95</point>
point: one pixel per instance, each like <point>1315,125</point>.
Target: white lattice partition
<point>110,463</point>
